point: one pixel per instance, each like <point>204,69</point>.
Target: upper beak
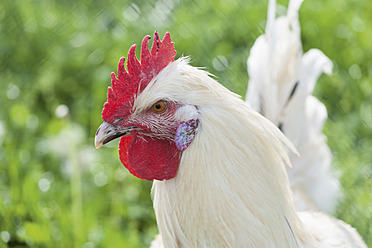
<point>108,132</point>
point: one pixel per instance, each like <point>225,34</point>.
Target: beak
<point>107,132</point>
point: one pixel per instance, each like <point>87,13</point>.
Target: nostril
<point>98,130</point>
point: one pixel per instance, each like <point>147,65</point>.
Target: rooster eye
<point>159,106</point>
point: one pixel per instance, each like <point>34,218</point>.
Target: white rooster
<point>218,166</point>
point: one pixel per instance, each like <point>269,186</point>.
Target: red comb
<point>127,84</point>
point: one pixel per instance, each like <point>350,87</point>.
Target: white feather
<point>276,66</point>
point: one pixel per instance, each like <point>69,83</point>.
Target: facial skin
<point>157,136</point>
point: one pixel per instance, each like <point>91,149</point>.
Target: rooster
<point>218,167</point>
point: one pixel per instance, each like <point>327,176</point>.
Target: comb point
<point>132,81</point>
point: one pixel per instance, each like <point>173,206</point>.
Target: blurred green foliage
<point>55,64</point>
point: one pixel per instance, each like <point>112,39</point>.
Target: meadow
<point>57,190</point>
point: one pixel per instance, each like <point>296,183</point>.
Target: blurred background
<point>56,190</point>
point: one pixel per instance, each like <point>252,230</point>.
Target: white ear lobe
<point>185,134</point>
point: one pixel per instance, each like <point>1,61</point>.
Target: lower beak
<point>107,132</point>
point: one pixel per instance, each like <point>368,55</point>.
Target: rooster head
<point>154,129</point>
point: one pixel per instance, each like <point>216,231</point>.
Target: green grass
<point>56,190</point>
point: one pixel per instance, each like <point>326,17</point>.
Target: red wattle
<point>123,154</point>
<point>149,158</point>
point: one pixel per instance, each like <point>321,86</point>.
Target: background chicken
<point>282,93</point>
<point>217,165</point>
<point>55,58</point>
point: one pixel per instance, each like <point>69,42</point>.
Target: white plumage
<point>282,93</point>
<point>231,189</point>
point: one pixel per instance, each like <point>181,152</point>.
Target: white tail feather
<point>281,82</point>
